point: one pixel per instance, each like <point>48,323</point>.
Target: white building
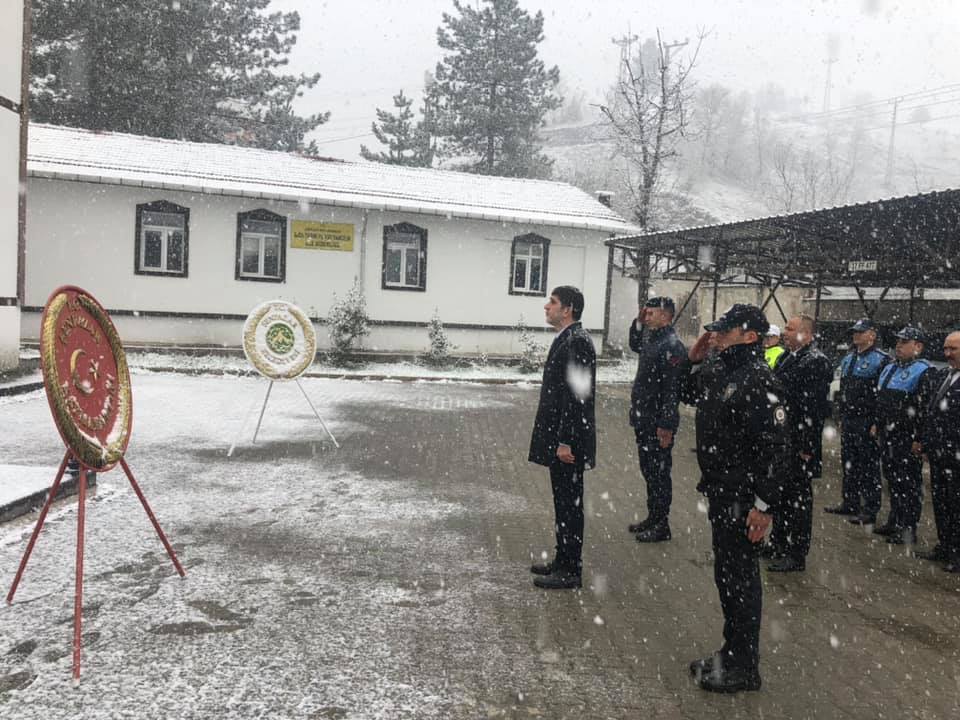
<point>11,55</point>
<point>180,240</point>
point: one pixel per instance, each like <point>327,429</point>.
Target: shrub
<point>531,351</point>
<point>348,322</point>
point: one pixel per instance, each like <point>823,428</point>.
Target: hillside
<point>787,166</point>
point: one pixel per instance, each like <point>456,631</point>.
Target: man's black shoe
<point>938,554</point>
<point>887,529</point>
<point>642,525</point>
<point>543,568</point>
<point>863,520</point>
<point>559,580</point>
<point>953,567</point>
<point>730,680</point>
<point>655,533</point>
<point>842,510</point>
<point>787,564</point>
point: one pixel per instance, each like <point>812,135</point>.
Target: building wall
<point>83,233</point>
<point>11,48</point>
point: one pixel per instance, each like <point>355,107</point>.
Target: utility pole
<point>833,44</point>
<point>888,177</point>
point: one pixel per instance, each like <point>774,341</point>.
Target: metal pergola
<point>910,242</point>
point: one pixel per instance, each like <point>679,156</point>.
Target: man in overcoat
<point>564,433</point>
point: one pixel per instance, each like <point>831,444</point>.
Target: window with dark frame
<point>528,265</point>
<point>261,246</point>
<point>404,257</point>
<point>162,239</point>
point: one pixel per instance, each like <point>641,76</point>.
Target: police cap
<point>661,302</point>
<point>910,333</point>
<point>748,317</point>
<point>862,325</point>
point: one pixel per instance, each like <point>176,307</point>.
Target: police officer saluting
<point>653,410</point>
<point>902,397</point>
<point>741,447</point>
<point>857,409</point>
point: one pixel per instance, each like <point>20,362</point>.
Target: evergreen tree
<point>440,346</point>
<point>493,90</point>
<point>204,70</point>
<point>408,142</point>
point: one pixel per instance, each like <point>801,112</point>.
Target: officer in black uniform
<point>805,375</point>
<point>856,409</point>
<point>941,445</point>
<point>741,448</point>
<point>653,410</point>
<point>902,398</point>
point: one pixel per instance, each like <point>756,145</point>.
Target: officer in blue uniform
<point>654,416</point>
<point>903,394</point>
<point>856,410</point>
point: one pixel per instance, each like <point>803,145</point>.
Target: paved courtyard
<point>388,579</point>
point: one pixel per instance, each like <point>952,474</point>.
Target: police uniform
<point>857,409</point>
<point>941,444</point>
<point>741,447</point>
<point>805,376</point>
<point>902,398</point>
<point>653,404</point>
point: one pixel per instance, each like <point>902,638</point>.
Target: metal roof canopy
<point>909,242</point>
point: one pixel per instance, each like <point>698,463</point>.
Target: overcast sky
<point>367,50</point>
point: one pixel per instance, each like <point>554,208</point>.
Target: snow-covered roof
<point>108,157</point>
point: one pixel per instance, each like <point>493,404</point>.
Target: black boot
<point>560,579</point>
<point>730,680</point>
<point>655,533</point>
<point>863,520</point>
<point>642,525</point>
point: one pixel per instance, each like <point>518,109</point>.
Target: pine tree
<point>204,70</point>
<point>407,141</point>
<point>348,322</point>
<point>493,90</point>
<point>530,349</point>
<point>440,346</point>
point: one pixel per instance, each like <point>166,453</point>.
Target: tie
<point>951,377</point>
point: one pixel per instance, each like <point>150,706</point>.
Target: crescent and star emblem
<point>84,386</point>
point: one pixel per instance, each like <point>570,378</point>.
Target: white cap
<point>774,330</point>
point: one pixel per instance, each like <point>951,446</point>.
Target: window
<point>261,246</point>
<point>163,231</point>
<point>404,257</point>
<point>528,265</point>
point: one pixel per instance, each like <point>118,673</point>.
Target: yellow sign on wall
<point>310,235</point>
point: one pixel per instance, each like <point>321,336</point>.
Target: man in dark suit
<point>805,375</point>
<point>564,433</point>
<point>940,441</point>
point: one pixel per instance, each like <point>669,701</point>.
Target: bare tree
<point>647,113</point>
<point>802,179</point>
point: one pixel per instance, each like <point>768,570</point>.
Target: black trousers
<point>736,572</point>
<point>567,482</point>
<point>793,515</point>
<point>861,465</point>
<point>904,473</point>
<point>945,489</point>
<point>656,464</point>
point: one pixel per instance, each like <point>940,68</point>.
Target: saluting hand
<point>757,524</point>
<point>700,348</point>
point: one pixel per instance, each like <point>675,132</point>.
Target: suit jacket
<point>805,376</point>
<point>565,415</point>
<point>941,422</point>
